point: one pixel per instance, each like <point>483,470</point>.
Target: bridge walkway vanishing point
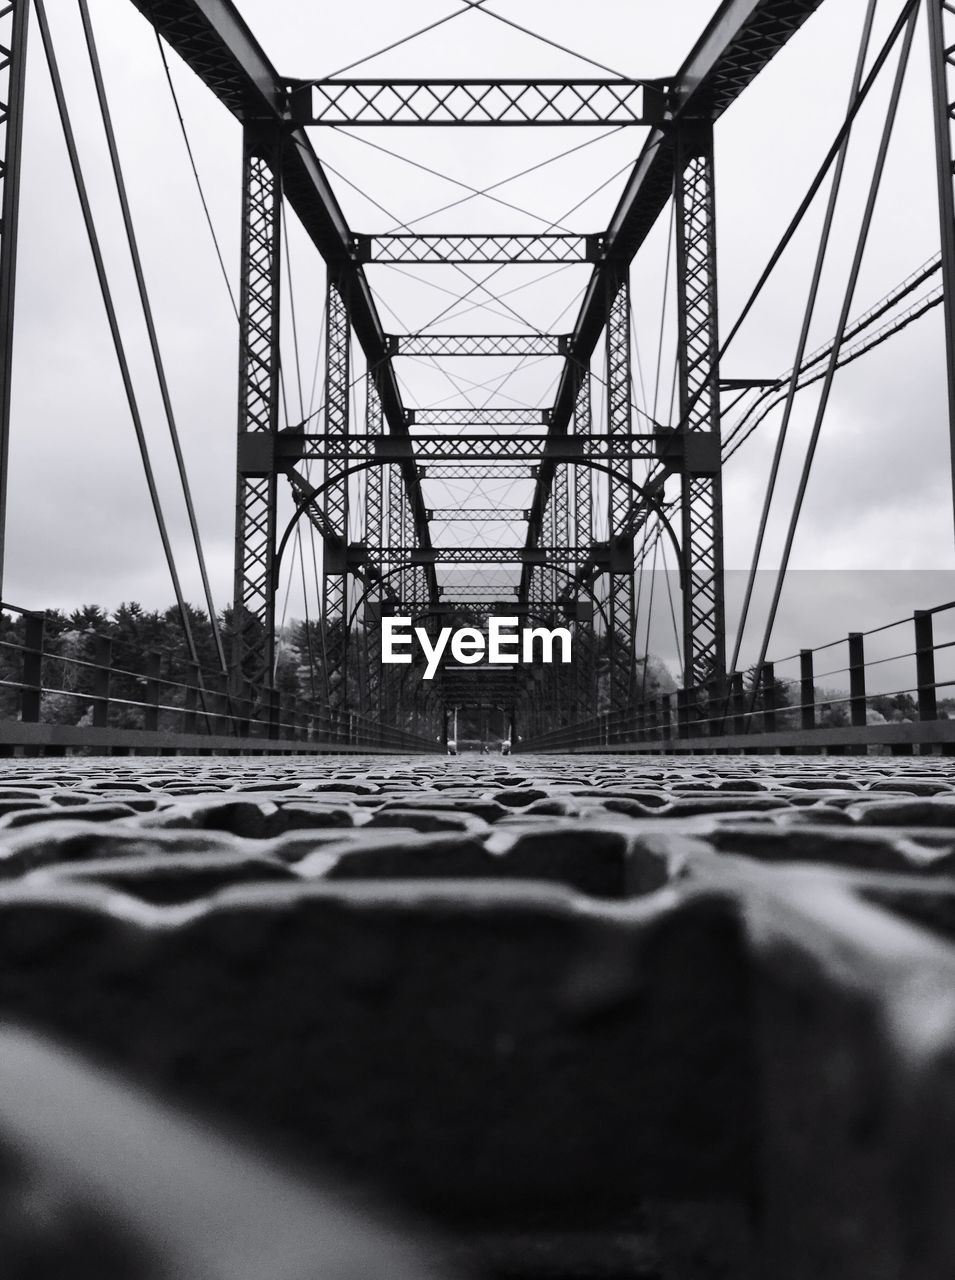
<point>589,1018</point>
<point>609,486</point>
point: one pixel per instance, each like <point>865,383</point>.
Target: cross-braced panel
<point>477,417</point>
<point>584,655</point>
<point>475,249</point>
<point>620,601</point>
<point>698,342</point>
<point>254,595</point>
<point>374,538</point>
<point>474,102</point>
<point>479,344</point>
<point>334,577</point>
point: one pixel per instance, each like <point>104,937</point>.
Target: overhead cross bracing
<point>500,375</point>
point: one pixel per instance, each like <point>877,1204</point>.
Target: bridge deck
<point>589,1017</point>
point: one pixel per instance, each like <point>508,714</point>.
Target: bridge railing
<point>890,698</point>
<point>104,692</point>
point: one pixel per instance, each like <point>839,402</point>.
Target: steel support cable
<point>195,174</point>
<point>830,157</point>
<point>803,340</point>
<point>118,345</point>
<point>847,356</point>
<point>474,192</point>
<point>397,44</point>
<point>876,183</point>
<point>548,227</point>
<point>916,311</point>
<point>150,323</point>
<point>536,35</point>
<point>859,325</point>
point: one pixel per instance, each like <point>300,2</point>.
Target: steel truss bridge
<point>639,483</point>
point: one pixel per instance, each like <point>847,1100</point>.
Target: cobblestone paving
<point>597,1016</point>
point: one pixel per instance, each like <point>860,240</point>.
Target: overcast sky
<point>79,525</point>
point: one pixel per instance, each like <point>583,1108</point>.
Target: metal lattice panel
<point>334,578</point>
<point>476,249</point>
<point>477,417</point>
<point>254,594</point>
<point>489,448</point>
<point>374,538</point>
<point>479,344</point>
<point>701,492</point>
<point>474,102</point>
<point>619,492</point>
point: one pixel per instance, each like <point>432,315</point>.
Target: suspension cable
<point>803,341</point>
<point>195,174</point>
<point>876,183</point>
<point>92,236</point>
<point>150,324</point>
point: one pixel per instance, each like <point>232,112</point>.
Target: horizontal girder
<point>478,249</point>
<point>478,513</point>
<point>478,344</point>
<point>478,417</point>
<point>475,102</point>
<point>483,447</point>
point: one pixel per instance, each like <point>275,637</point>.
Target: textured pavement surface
<point>599,1016</point>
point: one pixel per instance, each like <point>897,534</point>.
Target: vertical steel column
<point>253,654</point>
<point>941,25</point>
<point>560,499</point>
<point>584,634</point>
<point>335,498</point>
<point>374,539</point>
<point>14,19</point>
<point>621,646</point>
<point>704,628</point>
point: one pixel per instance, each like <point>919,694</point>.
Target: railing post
<point>768,683</point>
<point>151,711</point>
<point>275,714</point>
<point>738,702</point>
<point>102,657</point>
<point>683,713</point>
<point>190,702</point>
<point>31,676</point>
<point>807,690</point>
<point>857,678</point>
<point>667,716</point>
<point>925,664</point>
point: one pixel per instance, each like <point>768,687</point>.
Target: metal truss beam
<point>213,39</point>
<point>620,604</point>
<point>704,627</point>
<point>476,471</point>
<point>374,539</point>
<point>14,19</point>
<point>539,556</point>
<point>481,447</point>
<point>515,345</point>
<point>741,39</point>
<point>335,497</point>
<point>475,102</point>
<point>253,652</point>
<point>467,514</point>
<point>478,417</point>
<point>478,249</point>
